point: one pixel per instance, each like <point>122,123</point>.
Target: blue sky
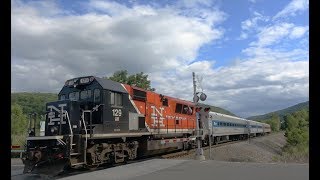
<point>253,55</point>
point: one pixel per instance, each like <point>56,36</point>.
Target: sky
<point>250,56</point>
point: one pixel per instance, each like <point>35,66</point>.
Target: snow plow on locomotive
<point>98,121</point>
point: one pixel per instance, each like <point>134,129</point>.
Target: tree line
<point>295,125</point>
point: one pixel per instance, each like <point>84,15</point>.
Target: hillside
<point>281,113</point>
<point>219,110</point>
<point>33,102</point>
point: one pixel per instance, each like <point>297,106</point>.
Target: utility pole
<point>199,152</point>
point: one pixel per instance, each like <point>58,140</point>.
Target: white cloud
<point>298,32</point>
<point>272,34</point>
<point>249,87</point>
<point>265,54</point>
<point>251,25</point>
<point>243,36</point>
<point>276,33</point>
<point>112,37</point>
<point>163,42</point>
<point>292,8</point>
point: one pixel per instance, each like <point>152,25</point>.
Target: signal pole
<point>199,152</point>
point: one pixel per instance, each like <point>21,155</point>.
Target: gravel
<point>265,149</point>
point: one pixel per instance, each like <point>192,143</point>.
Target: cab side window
<point>115,99</point>
<point>96,96</point>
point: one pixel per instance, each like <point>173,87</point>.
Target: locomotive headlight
<point>70,83</point>
<point>84,80</point>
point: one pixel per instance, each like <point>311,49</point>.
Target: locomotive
<point>97,121</point>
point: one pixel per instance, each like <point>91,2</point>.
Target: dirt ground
<point>265,149</point>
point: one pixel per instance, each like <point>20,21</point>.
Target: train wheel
<point>92,167</point>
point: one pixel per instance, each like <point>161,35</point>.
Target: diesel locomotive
<point>97,121</point>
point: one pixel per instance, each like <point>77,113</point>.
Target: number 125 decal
<point>116,112</point>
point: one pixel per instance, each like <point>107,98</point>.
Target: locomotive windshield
<point>85,95</point>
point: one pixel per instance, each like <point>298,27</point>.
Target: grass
<point>294,154</point>
<point>18,140</point>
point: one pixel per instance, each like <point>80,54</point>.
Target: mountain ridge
<point>282,112</point>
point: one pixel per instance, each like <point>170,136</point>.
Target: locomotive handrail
<point>85,144</point>
<point>67,115</point>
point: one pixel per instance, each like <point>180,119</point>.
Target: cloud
<point>162,41</point>
<point>248,87</point>
<point>298,32</point>
<point>273,34</point>
<point>251,25</point>
<point>292,8</point>
<point>110,37</point>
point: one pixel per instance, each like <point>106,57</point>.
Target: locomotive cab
<point>102,103</point>
<point>86,106</point>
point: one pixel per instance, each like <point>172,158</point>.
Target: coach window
<point>74,96</point>
<point>96,95</point>
<point>115,99</point>
<point>214,123</point>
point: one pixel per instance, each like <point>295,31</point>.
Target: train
<point>97,121</point>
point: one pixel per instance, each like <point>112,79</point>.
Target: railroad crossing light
<point>203,97</point>
<point>206,109</point>
<point>195,98</point>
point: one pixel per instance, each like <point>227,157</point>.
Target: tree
<point>297,129</point>
<point>33,103</point>
<point>274,122</point>
<point>119,76</point>
<point>139,79</point>
<point>18,120</point>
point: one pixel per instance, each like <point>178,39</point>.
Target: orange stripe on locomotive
<point>164,112</point>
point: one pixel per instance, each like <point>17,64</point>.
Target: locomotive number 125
<point>116,112</point>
